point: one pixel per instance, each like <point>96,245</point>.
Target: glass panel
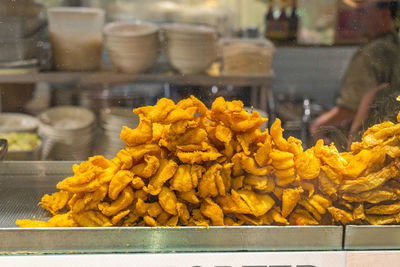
<point>270,99</point>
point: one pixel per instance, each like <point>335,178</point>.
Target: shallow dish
<point>17,122</point>
<point>34,154</point>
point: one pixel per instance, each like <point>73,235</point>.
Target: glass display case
<point>200,133</point>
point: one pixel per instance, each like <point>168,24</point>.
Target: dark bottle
<point>293,23</point>
<point>282,30</point>
<point>269,21</point>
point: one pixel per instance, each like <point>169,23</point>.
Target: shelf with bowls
<point>109,76</point>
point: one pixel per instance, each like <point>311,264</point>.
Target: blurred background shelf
<point>102,77</point>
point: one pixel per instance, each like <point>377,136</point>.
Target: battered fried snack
<point>55,201</point>
<point>185,165</point>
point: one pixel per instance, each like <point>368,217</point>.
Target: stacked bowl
<point>133,47</point>
<point>112,120</point>
<point>190,48</point>
<point>68,133</point>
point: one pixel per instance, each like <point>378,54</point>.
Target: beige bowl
<point>190,48</point>
<point>133,47</point>
<point>189,29</point>
<point>133,63</point>
<point>125,30</point>
<point>189,66</point>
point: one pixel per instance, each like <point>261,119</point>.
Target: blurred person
<point>374,70</point>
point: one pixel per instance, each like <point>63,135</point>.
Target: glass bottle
<point>293,23</point>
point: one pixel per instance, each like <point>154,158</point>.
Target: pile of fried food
<point>186,165</point>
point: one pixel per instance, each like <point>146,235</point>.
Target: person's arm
<point>338,116</point>
<point>363,110</point>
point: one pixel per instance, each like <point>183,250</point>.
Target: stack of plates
<point>133,47</point>
<point>112,120</point>
<point>68,133</point>
<point>190,48</point>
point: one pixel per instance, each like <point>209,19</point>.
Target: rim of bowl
<point>109,29</point>
<point>187,28</point>
<point>87,114</point>
<point>76,9</point>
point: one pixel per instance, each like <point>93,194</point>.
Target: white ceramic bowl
<point>67,118</point>
<point>17,122</point>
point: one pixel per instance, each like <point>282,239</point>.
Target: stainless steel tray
<point>371,237</point>
<point>22,184</point>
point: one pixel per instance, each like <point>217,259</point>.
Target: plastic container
<point>76,37</point>
<point>239,56</point>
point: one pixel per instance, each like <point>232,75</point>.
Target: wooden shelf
<point>110,77</point>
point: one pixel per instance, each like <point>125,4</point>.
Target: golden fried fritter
<point>165,172</point>
<point>384,209</point>
<point>168,201</point>
<point>307,165</point>
<point>374,196</point>
<point>55,201</point>
<point>142,134</point>
<point>147,169</point>
<point>122,202</point>
<point>358,212</point>
<point>158,112</point>
<point>302,217</point>
<point>120,180</point>
<point>211,210</point>
<point>369,182</point>
<point>330,156</point>
<point>382,220</point>
<point>340,215</point>
<point>290,198</point>
<point>259,204</point>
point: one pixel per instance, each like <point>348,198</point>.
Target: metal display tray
<point>22,184</point>
<point>370,237</point>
